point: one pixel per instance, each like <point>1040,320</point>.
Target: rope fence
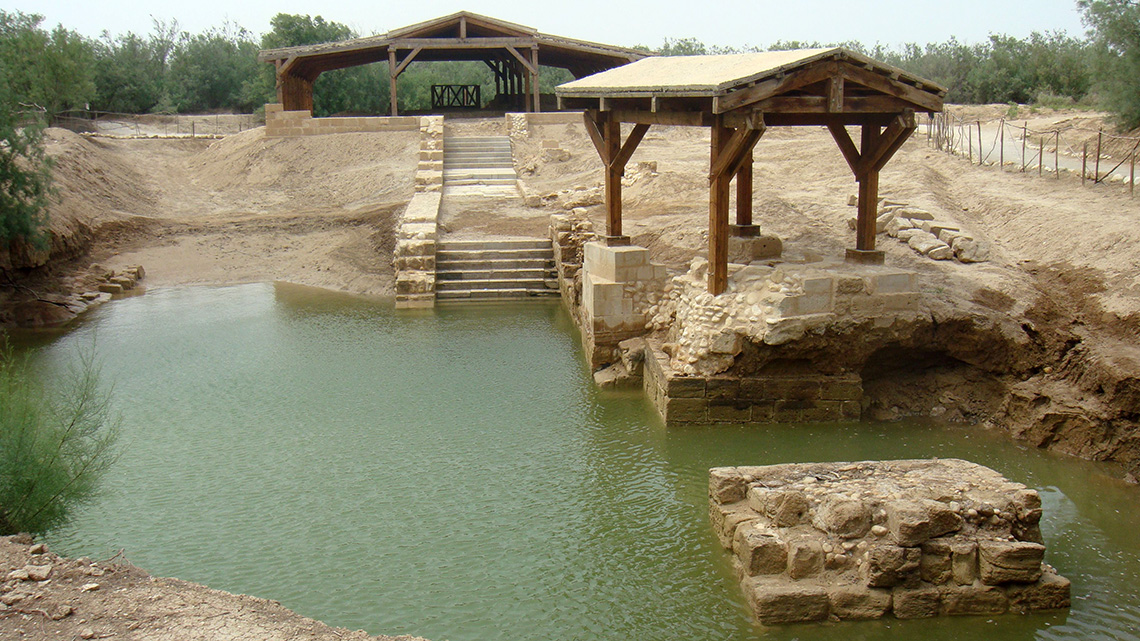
<point>1109,159</point>
<point>155,125</point>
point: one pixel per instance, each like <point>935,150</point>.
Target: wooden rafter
<point>605,133</point>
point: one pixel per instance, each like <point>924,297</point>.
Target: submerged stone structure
<point>912,538</point>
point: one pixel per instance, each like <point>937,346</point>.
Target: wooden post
<point>1001,135</point>
<point>981,160</point>
<point>1057,154</point>
<point>1096,172</point>
<point>744,195</point>
<point>1025,136</point>
<point>527,97</point>
<point>1132,175</point>
<point>1084,162</point>
<point>392,77</point>
<point>970,142</point>
<point>868,207</point>
<point>534,81</point>
<point>611,131</point>
<point>718,211</point>
<point>1041,158</point>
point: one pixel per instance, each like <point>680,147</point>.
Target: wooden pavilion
<point>513,52</point>
<point>738,96</point>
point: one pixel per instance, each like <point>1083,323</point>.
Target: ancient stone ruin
<point>916,538</point>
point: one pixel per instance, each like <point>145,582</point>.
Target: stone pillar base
<point>866,256</point>
<point>745,249</point>
<point>617,241</point>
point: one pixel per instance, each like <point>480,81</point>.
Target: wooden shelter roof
<point>459,36</point>
<point>722,83</point>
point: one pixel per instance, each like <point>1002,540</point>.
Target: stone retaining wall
<point>753,399</point>
<point>281,123</point>
<point>418,230</point>
<point>917,538</point>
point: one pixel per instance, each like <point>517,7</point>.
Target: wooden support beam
<point>835,94</point>
<point>774,86</point>
<point>868,205</point>
<point>605,132</point>
<point>892,139</point>
<point>611,132</point>
<point>534,80</point>
<point>525,63</point>
<point>924,99</point>
<point>718,211</point>
<point>462,27</point>
<point>744,192</point>
<point>407,60</point>
<point>392,75</point>
<point>846,146</point>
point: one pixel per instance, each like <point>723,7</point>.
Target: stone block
<point>1009,561</point>
<point>1050,592</point>
<point>110,288</point>
<point>732,521</point>
<point>942,252</point>
<point>969,250</point>
<point>891,283</point>
<point>821,411</point>
<point>776,601</point>
<point>729,411</point>
<point>722,388</point>
<point>787,508</point>
<point>923,242</point>
<point>934,565</point>
<point>745,249</point>
<point>686,410</point>
<point>726,485</point>
<point>843,517</point>
<point>726,342</point>
<point>763,412</point>
<point>890,565</point>
<point>918,603</point>
<point>964,561</point>
<point>788,411</point>
<point>813,304</point>
<point>913,522</point>
<point>915,213</point>
<point>684,387</point>
<point>974,599</point>
<point>853,602</point>
<point>936,228</point>
<point>805,558</point>
<point>841,388</point>
<point>760,549</point>
<point>851,410</point>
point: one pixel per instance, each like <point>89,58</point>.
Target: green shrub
<point>55,444</point>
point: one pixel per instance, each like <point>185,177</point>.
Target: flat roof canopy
<point>514,52</point>
<point>739,96</point>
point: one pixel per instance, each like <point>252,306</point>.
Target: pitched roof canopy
<point>459,36</point>
<point>765,81</point>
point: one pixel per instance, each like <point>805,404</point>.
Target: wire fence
<point>156,125</point>
<point>1093,154</point>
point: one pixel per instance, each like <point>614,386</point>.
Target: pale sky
<point>625,22</point>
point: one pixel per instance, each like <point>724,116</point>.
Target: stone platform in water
<point>916,538</point>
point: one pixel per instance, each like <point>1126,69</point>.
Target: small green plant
<point>55,444</point>
<point>1011,113</point>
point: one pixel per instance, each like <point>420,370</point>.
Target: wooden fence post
<point>1041,158</point>
<point>1084,162</point>
<point>1001,136</point>
<point>980,143</point>
<point>1132,178</point>
<point>1024,137</point>
<point>1096,174</point>
<point>1057,154</point>
<point>970,143</point>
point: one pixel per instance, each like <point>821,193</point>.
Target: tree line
<point>173,71</point>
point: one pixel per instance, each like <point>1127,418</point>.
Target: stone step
<point>447,255</point>
<point>478,244</point>
<point>478,141</point>
<point>478,164</point>
<point>495,294</point>
<point>488,264</point>
<point>485,172</point>
<point>536,273</point>
<point>489,284</point>
<point>467,152</point>
<point>503,182</point>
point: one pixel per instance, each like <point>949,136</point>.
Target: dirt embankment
<point>317,211</point>
<point>45,597</point>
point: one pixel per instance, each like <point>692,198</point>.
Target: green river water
<point>454,474</point>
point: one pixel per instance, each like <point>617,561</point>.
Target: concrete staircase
<point>494,269</point>
<point>482,160</point>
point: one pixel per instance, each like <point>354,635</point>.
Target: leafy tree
<point>54,447</point>
<point>208,71</point>
<point>1115,26</point>
<point>25,172</point>
<point>48,69</point>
